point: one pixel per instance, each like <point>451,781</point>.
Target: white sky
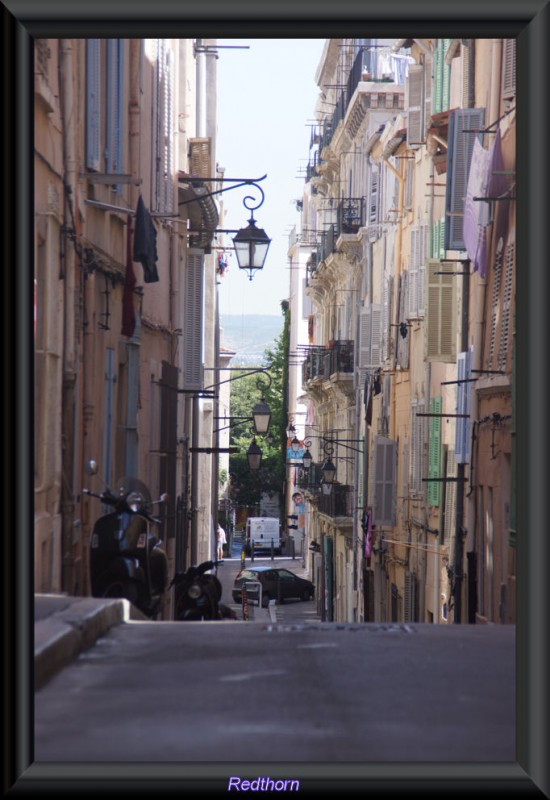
<point>266,103</point>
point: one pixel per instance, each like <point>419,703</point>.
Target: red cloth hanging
<point>128,312</point>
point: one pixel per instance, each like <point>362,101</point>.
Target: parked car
<point>277,583</point>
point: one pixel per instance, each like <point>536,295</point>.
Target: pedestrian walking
<point>222,539</point>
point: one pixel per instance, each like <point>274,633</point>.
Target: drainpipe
<point>70,299</point>
<point>480,292</point>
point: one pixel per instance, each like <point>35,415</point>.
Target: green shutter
<point>434,463</point>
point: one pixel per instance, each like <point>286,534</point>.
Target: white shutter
<point>415,106</point>
<point>370,331</point>
<point>402,353</point>
<point>419,444</point>
<point>441,315</point>
<point>193,321</point>
<point>506,306</point>
<point>422,258</point>
<point>509,77</point>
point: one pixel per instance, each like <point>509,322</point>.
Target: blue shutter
<point>93,96</point>
<point>459,157</point>
<point>464,393</point>
<point>113,146</point>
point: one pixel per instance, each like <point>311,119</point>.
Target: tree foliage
<point>247,485</point>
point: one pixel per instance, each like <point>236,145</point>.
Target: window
<point>464,125</point>
<point>418,447</point>
<point>163,129</point>
<point>105,105</point>
<point>385,451</point>
<point>441,314</point>
<point>434,463</point>
<point>464,394</point>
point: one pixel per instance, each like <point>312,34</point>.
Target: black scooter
<point>198,593</point>
<point>126,558</point>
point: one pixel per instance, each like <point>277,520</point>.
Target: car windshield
<point>247,575</point>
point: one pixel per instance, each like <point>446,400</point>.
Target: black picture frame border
<point>530,22</point>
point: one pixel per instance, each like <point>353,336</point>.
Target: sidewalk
<point>65,626</point>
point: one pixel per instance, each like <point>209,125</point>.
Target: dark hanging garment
<point>128,313</point>
<point>145,243</point>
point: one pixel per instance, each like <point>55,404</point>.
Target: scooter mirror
<point>164,498</point>
<point>91,467</point>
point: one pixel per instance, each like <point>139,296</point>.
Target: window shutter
<point>413,276</point>
<point>506,306</point>
<point>404,481</point>
<point>428,65</point>
<point>93,96</point>
<point>193,322</point>
<point>441,312</point>
<point>463,395</point>
<point>113,151</point>
<point>164,128</point>
<point>402,353</point>
<point>509,77</point>
<point>384,481</point>
<point>418,447</point>
<point>459,156</point>
<point>434,456</point>
<point>370,330</point>
<point>415,104</point>
<point>409,604</point>
<point>450,497</point>
<point>495,303</point>
<point>422,257</point>
<point>441,77</point>
<point>374,201</point>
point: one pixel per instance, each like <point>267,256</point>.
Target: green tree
<point>248,485</point>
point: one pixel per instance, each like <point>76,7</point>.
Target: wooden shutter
<point>505,321</point>
<point>374,201</point>
<point>495,302</point>
<point>93,107</point>
<point>459,156</point>
<point>114,118</point>
<point>509,76</point>
<point>418,447</point>
<point>450,497</point>
<point>384,481</point>
<point>410,602</point>
<point>434,456</point>
<point>441,77</point>
<point>164,128</point>
<point>463,405</point>
<point>415,106</point>
<point>441,313</point>
<point>370,329</point>
<point>402,349</point>
<point>193,321</point>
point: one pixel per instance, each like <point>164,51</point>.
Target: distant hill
<point>249,335</point>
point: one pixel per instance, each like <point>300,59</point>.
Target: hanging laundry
<point>128,312</point>
<point>145,243</point>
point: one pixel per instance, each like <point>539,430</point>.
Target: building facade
<point>125,290</point>
<point>408,221</point>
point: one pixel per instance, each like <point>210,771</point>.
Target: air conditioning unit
<point>200,158</point>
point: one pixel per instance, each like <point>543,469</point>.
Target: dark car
<point>277,583</point>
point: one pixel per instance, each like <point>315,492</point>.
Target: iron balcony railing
<point>351,214</point>
<point>314,364</point>
<point>339,357</point>
<point>309,480</point>
<point>339,503</point>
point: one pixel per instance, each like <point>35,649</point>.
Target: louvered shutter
<point>409,604</point>
<point>413,275</point>
<point>505,322</point>
<point>384,481</point>
<point>434,453</point>
<point>441,312</point>
<point>418,446</point>
<point>115,84</point>
<point>193,321</point>
<point>463,395</point>
<point>415,105</point>
<point>93,97</point>
<point>403,343</point>
<point>422,241</point>
<point>459,156</point>
<point>370,330</point>
<point>374,201</point>
<point>450,496</point>
<point>428,82</point>
<point>404,481</point>
<point>509,77</point>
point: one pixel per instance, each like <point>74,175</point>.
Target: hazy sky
<point>266,102</point>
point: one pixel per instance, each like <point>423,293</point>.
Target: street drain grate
<point>368,627</point>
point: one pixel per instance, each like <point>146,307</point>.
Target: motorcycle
<point>198,594</point>
<point>126,558</point>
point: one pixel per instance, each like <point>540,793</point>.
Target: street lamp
<point>254,455</point>
<point>251,246</point>
<point>261,415</point>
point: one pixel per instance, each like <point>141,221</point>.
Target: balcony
<point>339,503</point>
<point>351,215</point>
<point>314,364</point>
<point>339,358</point>
<point>309,480</point>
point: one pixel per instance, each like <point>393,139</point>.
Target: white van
<point>264,532</point>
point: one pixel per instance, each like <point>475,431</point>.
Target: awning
<point>201,210</point>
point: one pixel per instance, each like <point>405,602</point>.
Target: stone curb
<point>60,637</point>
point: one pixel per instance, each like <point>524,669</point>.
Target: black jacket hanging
<point>145,243</point>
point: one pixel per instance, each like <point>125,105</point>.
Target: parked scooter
<point>198,593</point>
<point>126,558</point>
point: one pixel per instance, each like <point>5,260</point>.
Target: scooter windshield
<point>124,486</point>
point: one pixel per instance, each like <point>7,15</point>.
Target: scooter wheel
<point>118,588</point>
